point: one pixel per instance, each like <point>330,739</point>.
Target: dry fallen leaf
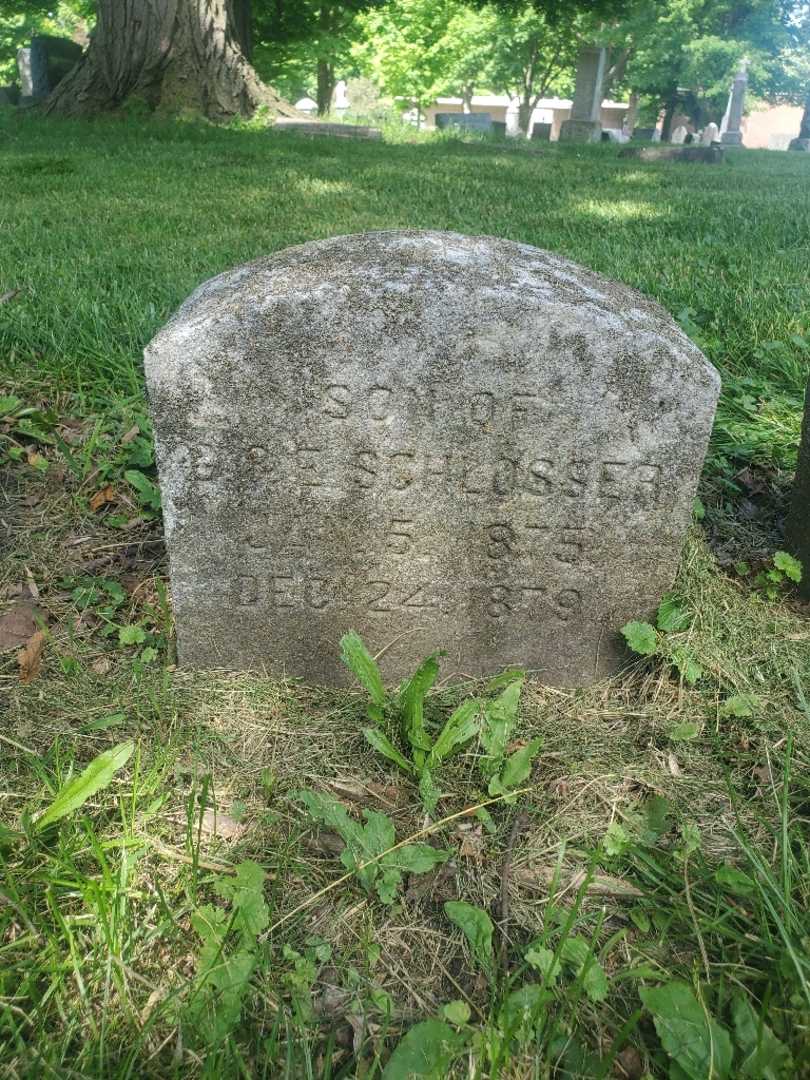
<point>215,824</point>
<point>133,432</point>
<point>30,657</point>
<point>629,1064</point>
<point>541,877</point>
<point>35,460</point>
<point>101,666</point>
<point>4,299</point>
<point>357,791</point>
<point>472,841</point>
<point>102,497</point>
<point>674,767</point>
<point>17,625</point>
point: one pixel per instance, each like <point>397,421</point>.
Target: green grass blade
<point>76,792</point>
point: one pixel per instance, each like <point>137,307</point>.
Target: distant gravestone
<point>585,122</point>
<point>705,155</point>
<point>678,137</point>
<point>644,134</point>
<point>711,133</point>
<point>32,66</point>
<point>797,527</point>
<point>441,441</point>
<point>499,128</point>
<point>480,121</point>
<point>732,133</point>
<point>542,132</point>
<point>316,127</point>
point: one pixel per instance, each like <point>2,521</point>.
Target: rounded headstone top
<point>443,442</point>
<point>444,278</point>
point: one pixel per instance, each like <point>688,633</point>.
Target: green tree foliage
<point>31,17</point>
<point>683,53</point>
<point>301,46</point>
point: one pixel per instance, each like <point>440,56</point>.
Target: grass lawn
<point>182,911</point>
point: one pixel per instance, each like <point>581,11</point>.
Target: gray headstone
<point>644,134</point>
<point>441,441</point>
<point>585,124</point>
<point>800,144</point>
<point>732,136</point>
<point>706,155</point>
<point>797,526</point>
<point>678,137</point>
<point>317,127</point>
<point>32,65</point>
<point>710,134</point>
<point>480,121</point>
<point>541,132</point>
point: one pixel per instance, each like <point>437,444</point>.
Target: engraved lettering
<point>568,603</point>
<point>482,408</point>
<point>403,475</point>
<point>522,403</point>
<point>400,536</point>
<point>314,590</point>
<point>417,599</point>
<point>282,597</point>
<point>504,480</point>
<point>380,591</point>
<point>501,540</point>
<point>576,479</point>
<point>610,479</point>
<point>540,477</point>
<point>365,462</point>
<point>499,603</point>
<point>308,465</point>
<point>470,485</point>
<point>650,476</point>
<point>378,401</point>
<point>247,591</point>
<point>338,401</point>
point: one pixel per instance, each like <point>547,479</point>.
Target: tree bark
<point>326,68</point>
<point>171,55</point>
<point>804,133</point>
<point>326,86</point>
<point>669,116</point>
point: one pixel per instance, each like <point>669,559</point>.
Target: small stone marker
<point>473,121</point>
<point>585,123</point>
<point>316,127</point>
<point>440,441</point>
<point>541,132</point>
<point>797,526</point>
<point>32,66</point>
<point>711,133</point>
<point>706,155</point>
<point>678,137</point>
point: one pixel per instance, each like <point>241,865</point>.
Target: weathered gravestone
<point>541,132</point>
<point>441,441</point>
<point>584,124</point>
<point>473,121</point>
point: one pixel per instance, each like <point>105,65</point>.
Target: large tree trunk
<point>804,133</point>
<point>326,68</point>
<point>171,54</point>
<point>326,86</point>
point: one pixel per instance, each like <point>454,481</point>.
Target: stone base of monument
<point>442,442</point>
<point>800,144</point>
<point>316,127</point>
<point>708,155</point>
<point>731,138</point>
<point>581,131</point>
